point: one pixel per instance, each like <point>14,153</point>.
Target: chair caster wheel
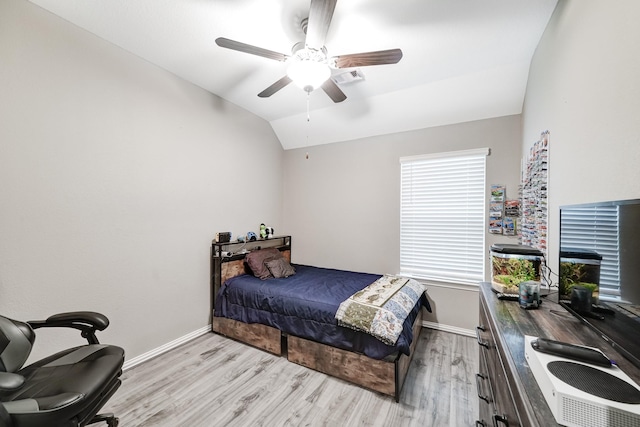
<point>110,419</point>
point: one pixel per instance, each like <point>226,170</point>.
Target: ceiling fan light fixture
<point>308,75</point>
<point>308,69</point>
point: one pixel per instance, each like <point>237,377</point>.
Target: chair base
<point>109,418</point>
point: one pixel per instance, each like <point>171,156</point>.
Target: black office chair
<point>64,390</point>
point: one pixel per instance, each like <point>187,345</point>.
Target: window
<point>595,229</point>
<point>442,216</point>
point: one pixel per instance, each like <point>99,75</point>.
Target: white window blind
<point>442,216</point>
<point>596,229</point>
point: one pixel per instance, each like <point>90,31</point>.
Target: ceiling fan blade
<point>275,87</point>
<point>320,14</point>
<point>334,92</point>
<point>253,50</point>
<point>380,57</point>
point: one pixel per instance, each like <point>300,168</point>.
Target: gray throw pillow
<point>280,267</point>
<point>256,261</point>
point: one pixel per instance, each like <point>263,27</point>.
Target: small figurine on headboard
<point>263,231</point>
<point>269,231</point>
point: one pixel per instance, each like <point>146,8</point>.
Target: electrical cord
<point>548,274</point>
<point>229,254</point>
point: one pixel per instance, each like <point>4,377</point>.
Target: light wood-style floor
<point>215,381</point>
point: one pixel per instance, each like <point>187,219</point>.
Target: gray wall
<point>583,87</point>
<point>115,177</point>
<point>116,174</point>
<point>342,204</point>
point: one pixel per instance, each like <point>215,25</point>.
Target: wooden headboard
<point>237,267</point>
<point>224,267</point>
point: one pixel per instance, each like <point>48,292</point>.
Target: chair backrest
<point>16,342</point>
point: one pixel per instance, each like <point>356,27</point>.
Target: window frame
<point>423,195</point>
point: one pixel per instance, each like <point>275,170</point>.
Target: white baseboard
<point>447,328</point>
<point>164,348</point>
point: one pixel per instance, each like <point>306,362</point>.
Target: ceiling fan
<point>309,66</point>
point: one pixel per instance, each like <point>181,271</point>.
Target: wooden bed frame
<point>384,376</point>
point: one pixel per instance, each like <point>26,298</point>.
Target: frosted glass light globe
<point>308,69</point>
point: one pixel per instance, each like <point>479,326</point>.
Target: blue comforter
<point>305,305</point>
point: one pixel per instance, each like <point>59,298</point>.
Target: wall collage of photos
<point>533,228</point>
<point>526,215</point>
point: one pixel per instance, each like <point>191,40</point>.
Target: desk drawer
<point>502,404</point>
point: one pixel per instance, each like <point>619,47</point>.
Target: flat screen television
<point>604,238</point>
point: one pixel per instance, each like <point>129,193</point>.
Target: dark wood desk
<point>509,394</point>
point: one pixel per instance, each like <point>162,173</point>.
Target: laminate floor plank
<point>434,400</point>
<point>463,391</point>
<point>215,381</point>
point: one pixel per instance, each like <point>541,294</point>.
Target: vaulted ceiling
<point>462,59</point>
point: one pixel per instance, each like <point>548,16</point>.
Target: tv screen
<point>600,256</point>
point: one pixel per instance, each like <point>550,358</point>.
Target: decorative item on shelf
<point>263,231</point>
<point>223,237</point>
<point>269,232</point>
<point>251,236</point>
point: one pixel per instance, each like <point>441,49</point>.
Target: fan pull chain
<point>308,124</point>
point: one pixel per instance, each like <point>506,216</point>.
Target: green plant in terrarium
<point>573,274</point>
<point>510,272</point>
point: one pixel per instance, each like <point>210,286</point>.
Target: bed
<point>295,316</point>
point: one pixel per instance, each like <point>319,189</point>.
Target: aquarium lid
<point>579,253</point>
<point>505,248</point>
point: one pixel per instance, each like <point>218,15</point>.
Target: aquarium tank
<point>579,267</point>
<point>513,264</point>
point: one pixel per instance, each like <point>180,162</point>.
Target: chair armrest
<point>10,381</point>
<point>88,322</point>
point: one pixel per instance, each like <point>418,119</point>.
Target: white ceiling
<point>463,59</point>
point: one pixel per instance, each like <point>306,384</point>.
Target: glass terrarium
<point>579,267</point>
<point>513,264</point>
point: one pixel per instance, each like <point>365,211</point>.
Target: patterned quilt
<point>381,308</point>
